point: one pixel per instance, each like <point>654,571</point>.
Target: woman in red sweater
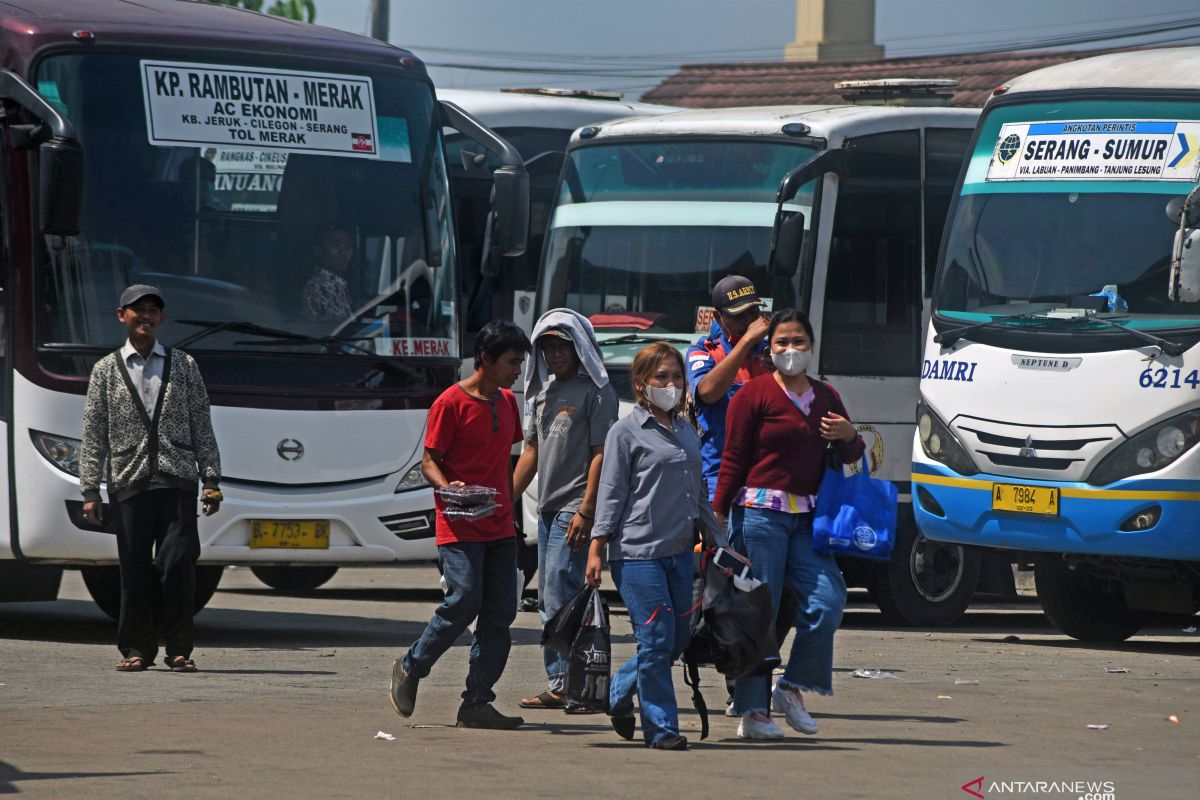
<point>778,428</point>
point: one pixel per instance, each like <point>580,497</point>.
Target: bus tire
<point>926,584</point>
<point>104,585</point>
<point>1083,606</point>
<point>294,579</point>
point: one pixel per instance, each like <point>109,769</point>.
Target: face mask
<point>666,397</point>
<point>792,362</point>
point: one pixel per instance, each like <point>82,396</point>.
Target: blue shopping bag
<point>855,515</point>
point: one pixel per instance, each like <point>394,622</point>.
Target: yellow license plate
<point>1041,500</point>
<point>293,534</point>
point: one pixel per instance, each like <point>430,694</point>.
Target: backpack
<point>732,630</point>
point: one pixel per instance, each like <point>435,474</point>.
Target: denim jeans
<point>481,582</point>
<point>560,575</point>
<point>657,592</point>
<point>779,546</point>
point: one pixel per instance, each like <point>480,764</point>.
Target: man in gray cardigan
<point>147,416</point>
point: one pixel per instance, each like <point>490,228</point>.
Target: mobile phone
<point>728,559</point>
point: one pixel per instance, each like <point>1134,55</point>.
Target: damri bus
<point>651,212</point>
<point>210,152</point>
<point>1060,391</point>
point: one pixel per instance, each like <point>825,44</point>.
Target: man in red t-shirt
<point>470,433</point>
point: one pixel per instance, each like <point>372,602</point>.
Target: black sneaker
<point>403,690</point>
<point>670,743</point>
<point>484,715</point>
<point>624,727</point>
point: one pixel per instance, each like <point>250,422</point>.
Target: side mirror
<point>1184,284</point>
<point>60,157</point>
<point>60,187</point>
<point>786,243</point>
<point>787,237</point>
<point>1185,267</point>
<point>511,225</point>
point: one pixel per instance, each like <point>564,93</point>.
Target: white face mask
<point>665,397</point>
<point>792,362</point>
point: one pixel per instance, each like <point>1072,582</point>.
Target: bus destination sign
<point>300,112</point>
<point>1090,150</point>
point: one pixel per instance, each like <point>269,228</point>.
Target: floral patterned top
<point>326,296</point>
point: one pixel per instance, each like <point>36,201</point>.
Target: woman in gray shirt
<point>651,501</point>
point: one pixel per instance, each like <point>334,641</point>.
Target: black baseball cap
<point>139,290</point>
<point>559,332</point>
<point>734,294</point>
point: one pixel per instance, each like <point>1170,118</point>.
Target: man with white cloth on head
<point>572,405</point>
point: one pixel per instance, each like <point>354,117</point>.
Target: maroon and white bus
<point>210,152</point>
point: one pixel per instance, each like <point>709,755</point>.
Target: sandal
<point>546,699</point>
<point>132,664</point>
<point>181,664</point>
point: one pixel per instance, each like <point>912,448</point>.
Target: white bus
<point>1060,391</point>
<point>651,212</point>
<point>539,123</point>
<point>215,149</point>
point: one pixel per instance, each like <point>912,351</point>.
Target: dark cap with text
<point>558,332</point>
<point>139,290</point>
<point>734,294</point>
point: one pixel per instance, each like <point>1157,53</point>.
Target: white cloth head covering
<point>586,347</point>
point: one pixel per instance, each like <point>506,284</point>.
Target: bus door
<point>887,226</point>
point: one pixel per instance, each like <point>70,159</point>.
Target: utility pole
<point>380,23</point>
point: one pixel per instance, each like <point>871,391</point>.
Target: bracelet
<point>585,516</point>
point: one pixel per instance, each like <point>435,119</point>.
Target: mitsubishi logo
<point>1027,450</point>
<point>290,449</point>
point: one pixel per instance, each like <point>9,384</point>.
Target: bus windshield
<point>642,231</point>
<point>1052,213</point>
<point>322,217</point>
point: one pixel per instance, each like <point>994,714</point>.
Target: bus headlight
<point>1150,450</point>
<point>61,451</point>
<point>940,444</point>
<point>412,480</point>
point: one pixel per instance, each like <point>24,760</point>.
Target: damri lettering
<point>949,370</point>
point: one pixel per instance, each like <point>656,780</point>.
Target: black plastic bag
<point>560,630</point>
<point>590,665</point>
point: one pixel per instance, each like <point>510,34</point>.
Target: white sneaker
<point>729,712</point>
<point>790,703</point>
<point>757,725</point>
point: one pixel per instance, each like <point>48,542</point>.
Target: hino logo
<point>1027,450</point>
<point>290,449</point>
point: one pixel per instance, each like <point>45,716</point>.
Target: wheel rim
<point>936,568</point>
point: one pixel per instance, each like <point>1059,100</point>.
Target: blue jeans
<point>481,581</point>
<point>560,575</point>
<point>779,546</point>
<point>657,592</point>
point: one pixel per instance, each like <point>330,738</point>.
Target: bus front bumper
<point>1090,519</point>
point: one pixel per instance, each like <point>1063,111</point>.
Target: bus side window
<point>872,313</point>
<point>945,149</point>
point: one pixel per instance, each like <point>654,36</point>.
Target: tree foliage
<point>303,10</point>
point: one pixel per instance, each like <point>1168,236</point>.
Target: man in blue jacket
<point>734,351</point>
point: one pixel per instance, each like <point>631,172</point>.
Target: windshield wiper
<point>1168,347</point>
<point>641,338</point>
<point>211,326</point>
<point>283,338</point>
<point>948,338</point>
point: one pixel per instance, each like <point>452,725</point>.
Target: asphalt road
<point>292,694</point>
